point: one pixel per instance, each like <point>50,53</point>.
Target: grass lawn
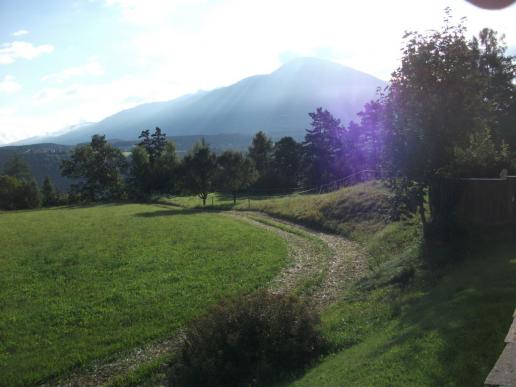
<point>447,333</point>
<point>79,284</point>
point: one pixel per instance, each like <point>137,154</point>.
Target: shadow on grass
<point>168,212</point>
<point>454,332</point>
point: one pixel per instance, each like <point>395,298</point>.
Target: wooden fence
<point>476,201</point>
<point>504,371</point>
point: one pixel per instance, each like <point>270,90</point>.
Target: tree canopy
<point>98,167</point>
<point>236,172</point>
<point>199,170</point>
<point>153,165</point>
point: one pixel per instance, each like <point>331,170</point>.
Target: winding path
<point>322,266</point>
<point>327,263</point>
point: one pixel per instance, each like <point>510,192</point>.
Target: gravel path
<point>325,268</point>
<point>322,266</point>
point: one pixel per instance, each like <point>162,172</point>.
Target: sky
<point>66,62</point>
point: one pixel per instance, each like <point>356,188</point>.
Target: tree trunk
<point>234,198</point>
<point>422,215</point>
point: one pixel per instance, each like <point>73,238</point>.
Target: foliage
<point>286,164</point>
<point>42,160</point>
<point>83,283</point>
<point>199,169</point>
<point>154,144</point>
<point>98,166</point>
<point>323,149</point>
<point>446,89</point>
<point>363,141</point>
<point>481,157</point>
<point>18,189</point>
<point>49,194</point>
<point>498,71</point>
<point>260,152</point>
<point>236,172</point>
<point>16,194</point>
<point>249,340</point>
<point>153,167</point>
<point>17,167</point>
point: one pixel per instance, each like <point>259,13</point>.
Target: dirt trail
<point>322,266</point>
<point>326,269</point>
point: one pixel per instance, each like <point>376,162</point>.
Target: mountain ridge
<point>277,103</point>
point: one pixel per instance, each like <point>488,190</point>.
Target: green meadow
<point>82,283</point>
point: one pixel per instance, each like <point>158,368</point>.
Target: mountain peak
<point>277,103</point>
<point>318,65</point>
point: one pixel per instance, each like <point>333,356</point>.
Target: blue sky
<point>64,62</point>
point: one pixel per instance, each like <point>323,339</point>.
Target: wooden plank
<point>504,371</point>
<point>511,336</point>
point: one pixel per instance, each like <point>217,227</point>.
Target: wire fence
<point>352,179</point>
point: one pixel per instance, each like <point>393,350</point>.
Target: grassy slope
<point>445,328</point>
<point>81,283</point>
<point>450,333</point>
<point>358,212</point>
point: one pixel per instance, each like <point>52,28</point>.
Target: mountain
<point>277,103</point>
<point>42,159</point>
<point>43,139</point>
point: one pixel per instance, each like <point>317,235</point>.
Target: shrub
<point>248,340</point>
<point>16,194</point>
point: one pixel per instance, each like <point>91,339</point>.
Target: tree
<point>260,152</point>
<point>323,149</point>
<point>498,71</point>
<point>199,169</point>
<point>16,194</point>
<point>153,165</point>
<point>363,141</point>
<point>481,157</point>
<point>18,189</point>
<point>441,94</point>
<point>236,172</point>
<point>155,144</point>
<point>48,192</point>
<point>29,195</point>
<point>286,163</point>
<point>17,167</point>
<point>99,167</point>
<point>9,189</point>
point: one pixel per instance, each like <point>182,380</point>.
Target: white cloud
<point>20,33</point>
<point>54,108</point>
<point>10,52</point>
<point>90,68</point>
<point>9,85</point>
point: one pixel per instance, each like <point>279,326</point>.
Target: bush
<point>248,340</point>
<point>17,194</point>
